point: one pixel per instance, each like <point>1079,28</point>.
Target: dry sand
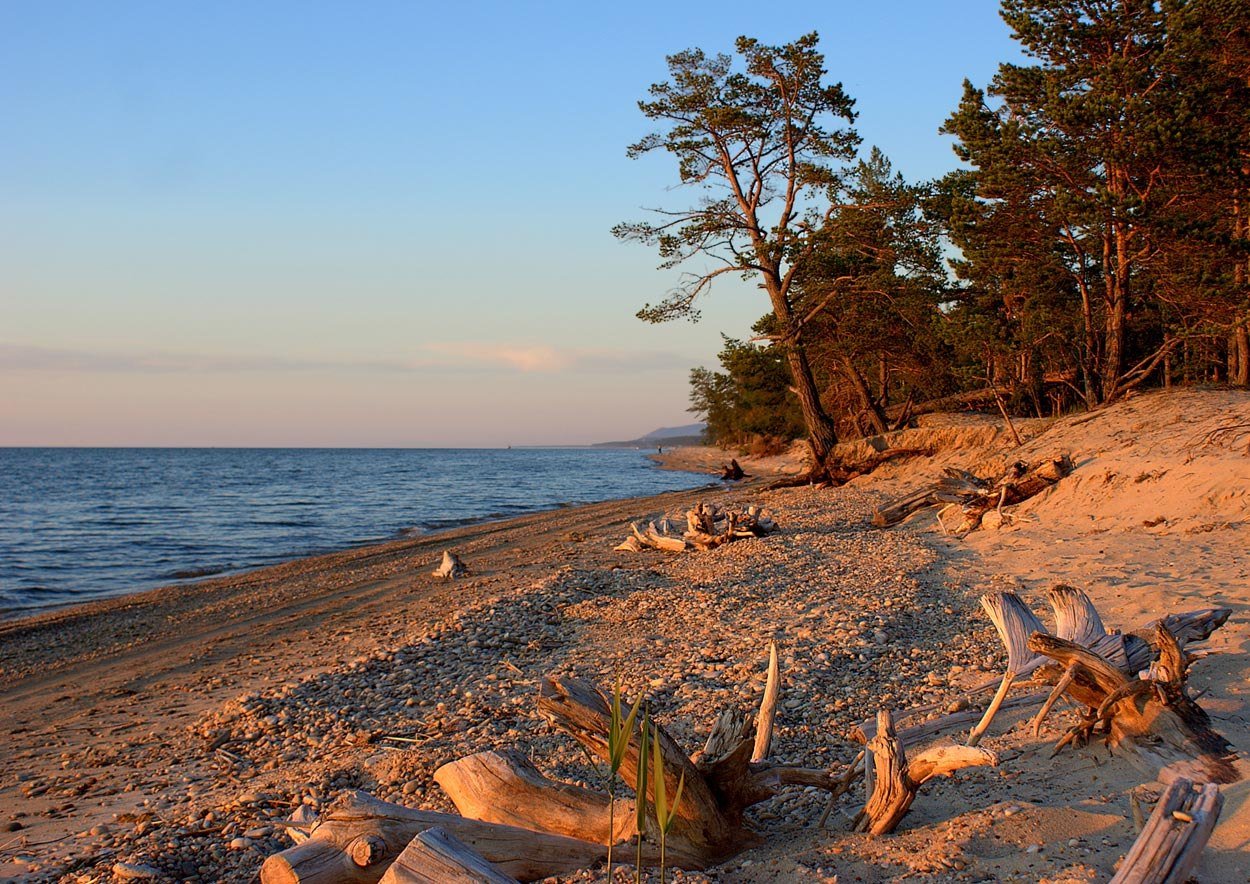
<point>170,730</point>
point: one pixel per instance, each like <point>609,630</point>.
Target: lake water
<point>78,524</point>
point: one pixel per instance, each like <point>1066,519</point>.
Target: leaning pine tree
<point>765,141</point>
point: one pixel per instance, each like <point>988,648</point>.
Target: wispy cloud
<point>461,356</point>
<point>521,358</point>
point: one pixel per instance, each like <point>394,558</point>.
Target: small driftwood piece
<point>896,779</point>
<point>768,708</point>
<point>437,857</point>
<point>1173,839</point>
<point>452,567</point>
<point>361,836</point>
<point>975,495</point>
<point>732,472</point>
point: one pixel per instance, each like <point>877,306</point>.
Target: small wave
<point>191,573</point>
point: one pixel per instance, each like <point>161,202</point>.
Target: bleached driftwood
<point>452,567</point>
<point>359,837</point>
<point>1077,622</point>
<point>1153,718</point>
<point>768,707</point>
<point>1170,845</point>
<point>438,857</point>
<point>707,526</point>
<point>721,781</point>
<point>1015,623</point>
<point>977,496</point>
<point>896,779</point>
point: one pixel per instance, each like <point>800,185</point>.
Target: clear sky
<point>371,223</point>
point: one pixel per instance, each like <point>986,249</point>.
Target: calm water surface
<point>82,523</point>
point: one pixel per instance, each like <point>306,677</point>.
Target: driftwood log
<point>976,496</point>
<point>361,836</point>
<point>1173,839</point>
<point>707,526</point>
<point>896,779</point>
<point>721,781</point>
<point>1153,718</point>
<point>732,472</point>
<point>436,856</point>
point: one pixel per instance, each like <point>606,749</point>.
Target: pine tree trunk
<point>1241,339</point>
<point>875,416</point>
<point>819,425</point>
<point>821,434</point>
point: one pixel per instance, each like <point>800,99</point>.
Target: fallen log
<point>975,495</point>
<point>1170,845</point>
<point>838,472</point>
<point>359,837</point>
<point>437,857</point>
<point>896,779</point>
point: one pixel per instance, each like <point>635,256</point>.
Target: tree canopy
<point>1094,238</point>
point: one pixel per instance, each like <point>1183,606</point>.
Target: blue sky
<point>380,223</point>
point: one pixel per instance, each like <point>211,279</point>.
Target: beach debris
<point>1174,837</point>
<point>975,496</point>
<point>707,526</point>
<point>896,779</point>
<point>359,837</point>
<point>452,567</point>
<point>1132,684</point>
<point>436,856</point>
<point>732,472</point>
<point>530,826</point>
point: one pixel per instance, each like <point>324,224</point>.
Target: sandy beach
<point>170,732</point>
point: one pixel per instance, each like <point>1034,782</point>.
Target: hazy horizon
<point>330,225</point>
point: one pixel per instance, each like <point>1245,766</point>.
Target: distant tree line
<point>1095,239</point>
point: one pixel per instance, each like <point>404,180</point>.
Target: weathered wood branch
<point>1153,719</point>
<point>360,837</point>
<point>1170,845</point>
<point>896,780</point>
<point>505,787</point>
<point>768,707</point>
<point>1015,622</point>
<point>437,857</point>
<point>975,495</point>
